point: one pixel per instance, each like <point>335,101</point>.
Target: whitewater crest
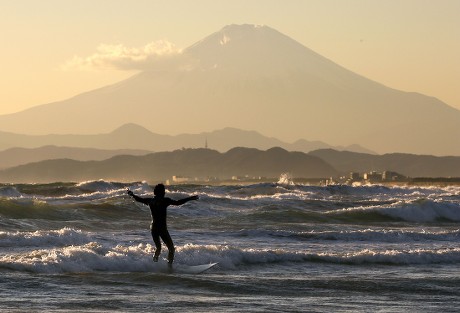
<point>95,257</point>
<point>286,179</point>
<point>418,210</point>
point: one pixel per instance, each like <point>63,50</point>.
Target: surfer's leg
<point>156,240</point>
<point>169,243</point>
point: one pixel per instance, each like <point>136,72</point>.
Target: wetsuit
<point>158,209</point>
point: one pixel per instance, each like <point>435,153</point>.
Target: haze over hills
<point>204,163</point>
<point>162,165</point>
<point>406,164</point>
<point>132,136</point>
<point>253,77</point>
<point>19,156</point>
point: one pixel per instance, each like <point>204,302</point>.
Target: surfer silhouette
<point>158,208</point>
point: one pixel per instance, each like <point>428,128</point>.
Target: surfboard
<point>163,267</point>
<point>194,269</point>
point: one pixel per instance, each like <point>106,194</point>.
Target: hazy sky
<point>54,49</point>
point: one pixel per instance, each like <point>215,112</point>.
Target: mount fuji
<point>255,78</point>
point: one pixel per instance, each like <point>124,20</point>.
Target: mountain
<point>163,165</point>
<point>406,164</point>
<point>19,156</point>
<point>254,77</point>
<point>132,136</point>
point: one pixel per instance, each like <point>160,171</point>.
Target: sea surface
<point>281,247</point>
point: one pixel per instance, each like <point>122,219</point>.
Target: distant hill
<point>407,164</point>
<point>163,165</point>
<point>254,77</point>
<point>204,163</point>
<point>132,136</point>
<point>19,156</point>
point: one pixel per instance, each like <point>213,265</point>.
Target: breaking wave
<point>96,257</point>
<point>420,210</point>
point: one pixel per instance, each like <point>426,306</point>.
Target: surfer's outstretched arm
<point>139,199</point>
<point>185,200</point>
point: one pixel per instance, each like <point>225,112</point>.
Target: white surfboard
<point>163,267</point>
<point>194,269</point>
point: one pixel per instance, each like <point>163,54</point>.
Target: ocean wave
<point>366,235</point>
<point>113,207</point>
<point>231,257</point>
<point>278,192</point>
<point>50,211</point>
<point>25,208</point>
<point>94,257</point>
<point>9,192</point>
<point>40,238</point>
<point>90,257</point>
<point>100,189</point>
<point>257,192</point>
<point>99,185</point>
<point>393,257</point>
<point>420,210</point>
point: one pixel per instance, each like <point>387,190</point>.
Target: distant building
<point>373,176</point>
<point>239,178</point>
<point>370,177</point>
<point>211,179</point>
<point>180,179</point>
<point>392,176</point>
<point>355,176</point>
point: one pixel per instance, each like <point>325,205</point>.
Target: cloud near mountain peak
<point>154,55</point>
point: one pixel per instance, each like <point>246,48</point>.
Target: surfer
<point>159,229</point>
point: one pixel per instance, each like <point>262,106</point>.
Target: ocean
<point>281,247</point>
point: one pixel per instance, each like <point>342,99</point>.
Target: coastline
<point>425,181</point>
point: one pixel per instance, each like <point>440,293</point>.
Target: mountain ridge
<point>133,136</point>
<point>249,77</point>
<point>20,156</point>
<point>239,161</point>
<point>161,166</point>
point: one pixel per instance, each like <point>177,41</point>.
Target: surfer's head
<point>159,190</point>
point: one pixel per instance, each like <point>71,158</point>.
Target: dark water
<point>281,248</point>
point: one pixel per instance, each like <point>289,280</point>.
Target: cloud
<point>155,55</point>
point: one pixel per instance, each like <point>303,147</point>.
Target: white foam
<point>231,257</point>
<point>396,257</point>
<point>61,237</point>
<point>93,256</point>
<point>383,235</point>
<point>286,179</point>
<point>96,185</point>
<point>100,189</point>
<point>89,257</point>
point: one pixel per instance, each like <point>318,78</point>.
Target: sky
<point>55,49</point>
